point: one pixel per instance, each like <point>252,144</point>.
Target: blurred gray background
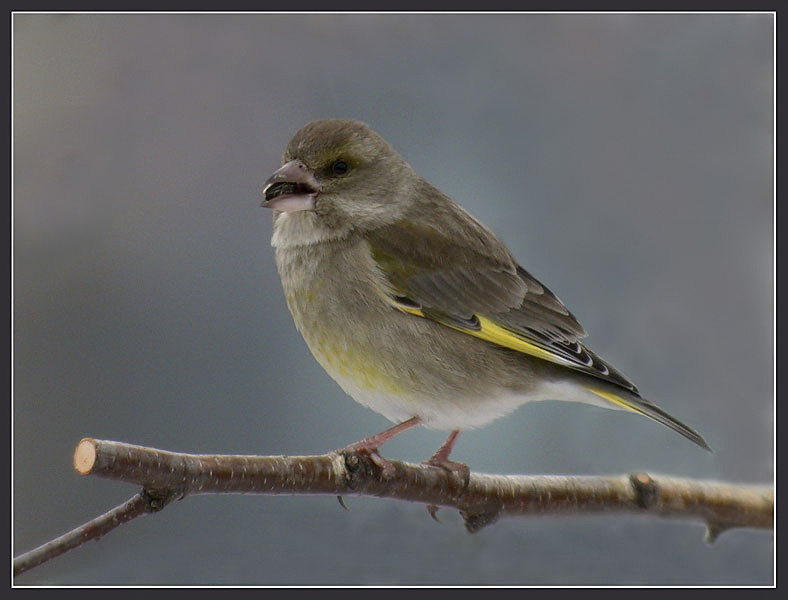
<point>626,160</point>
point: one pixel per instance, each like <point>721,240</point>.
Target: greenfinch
<point>415,308</point>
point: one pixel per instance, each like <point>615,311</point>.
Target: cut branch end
<point>85,456</point>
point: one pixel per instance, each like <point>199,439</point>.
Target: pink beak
<point>291,188</point>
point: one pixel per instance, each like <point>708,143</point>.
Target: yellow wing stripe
<point>408,309</point>
<point>491,332</point>
<point>496,334</point>
<point>616,400</point>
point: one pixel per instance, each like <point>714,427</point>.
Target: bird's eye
<point>340,167</point>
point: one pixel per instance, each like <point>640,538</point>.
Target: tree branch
<point>139,504</point>
<point>481,499</point>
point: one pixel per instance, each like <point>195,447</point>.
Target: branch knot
<point>646,490</point>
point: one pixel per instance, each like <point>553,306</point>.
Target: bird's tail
<point>644,407</point>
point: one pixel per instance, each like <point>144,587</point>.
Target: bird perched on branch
<point>415,308</point>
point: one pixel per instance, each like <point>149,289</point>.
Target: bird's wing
<point>471,282</point>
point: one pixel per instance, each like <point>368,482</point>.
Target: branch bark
<point>481,499</point>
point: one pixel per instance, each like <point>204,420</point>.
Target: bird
<point>413,306</point>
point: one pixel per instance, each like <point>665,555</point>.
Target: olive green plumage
<point>412,305</point>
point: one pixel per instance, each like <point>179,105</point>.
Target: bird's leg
<point>441,458</point>
<point>374,442</point>
<point>371,444</point>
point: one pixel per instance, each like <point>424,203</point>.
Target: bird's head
<point>344,174</point>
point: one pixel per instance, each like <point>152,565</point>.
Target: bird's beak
<point>291,188</point>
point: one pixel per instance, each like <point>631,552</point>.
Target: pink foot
<point>456,468</point>
<point>371,444</point>
<point>441,459</point>
<point>386,467</point>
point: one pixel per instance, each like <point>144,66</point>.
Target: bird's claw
<point>386,467</point>
<point>458,469</point>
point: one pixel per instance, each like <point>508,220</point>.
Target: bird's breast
<point>337,297</point>
<point>397,364</point>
